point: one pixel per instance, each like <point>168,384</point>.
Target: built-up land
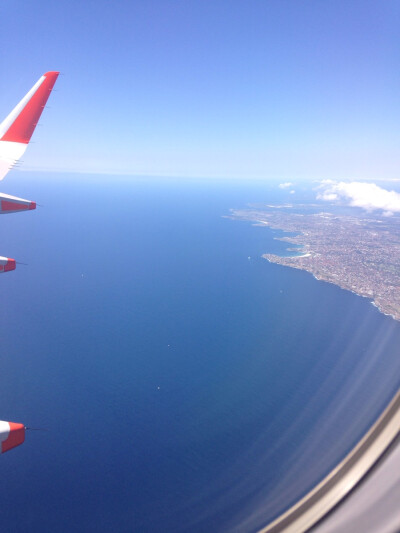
<point>360,254</point>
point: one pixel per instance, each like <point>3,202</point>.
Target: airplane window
<point>200,319</point>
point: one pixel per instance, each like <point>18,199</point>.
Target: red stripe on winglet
<point>6,205</point>
<point>15,437</point>
<point>23,126</point>
<point>10,265</point>
<point>32,205</point>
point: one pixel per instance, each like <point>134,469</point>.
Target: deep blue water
<point>185,387</point>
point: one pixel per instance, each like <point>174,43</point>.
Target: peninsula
<point>359,254</point>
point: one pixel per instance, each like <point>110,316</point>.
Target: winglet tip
<point>15,437</point>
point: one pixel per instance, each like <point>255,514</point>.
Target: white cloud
<point>328,196</point>
<point>285,185</point>
<point>292,191</point>
<point>360,194</point>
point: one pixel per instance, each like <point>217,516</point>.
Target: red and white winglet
<point>13,204</point>
<point>11,435</point>
<point>17,129</point>
<point>6,264</point>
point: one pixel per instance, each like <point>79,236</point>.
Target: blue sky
<point>252,89</point>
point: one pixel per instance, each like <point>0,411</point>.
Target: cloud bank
<point>368,196</point>
<point>285,185</point>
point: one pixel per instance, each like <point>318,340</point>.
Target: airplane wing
<point>17,129</point>
<point>6,264</point>
<point>15,133</point>
<point>11,435</point>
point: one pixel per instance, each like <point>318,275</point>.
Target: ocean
<point>184,383</point>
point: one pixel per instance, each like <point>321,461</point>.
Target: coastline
<point>278,260</point>
<point>357,254</point>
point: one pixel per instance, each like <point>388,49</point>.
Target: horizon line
<point>197,176</point>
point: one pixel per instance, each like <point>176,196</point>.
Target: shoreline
<point>269,258</point>
<point>360,255</point>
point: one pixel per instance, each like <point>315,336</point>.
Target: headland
<point>359,254</point>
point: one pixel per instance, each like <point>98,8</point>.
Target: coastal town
<point>360,254</point>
